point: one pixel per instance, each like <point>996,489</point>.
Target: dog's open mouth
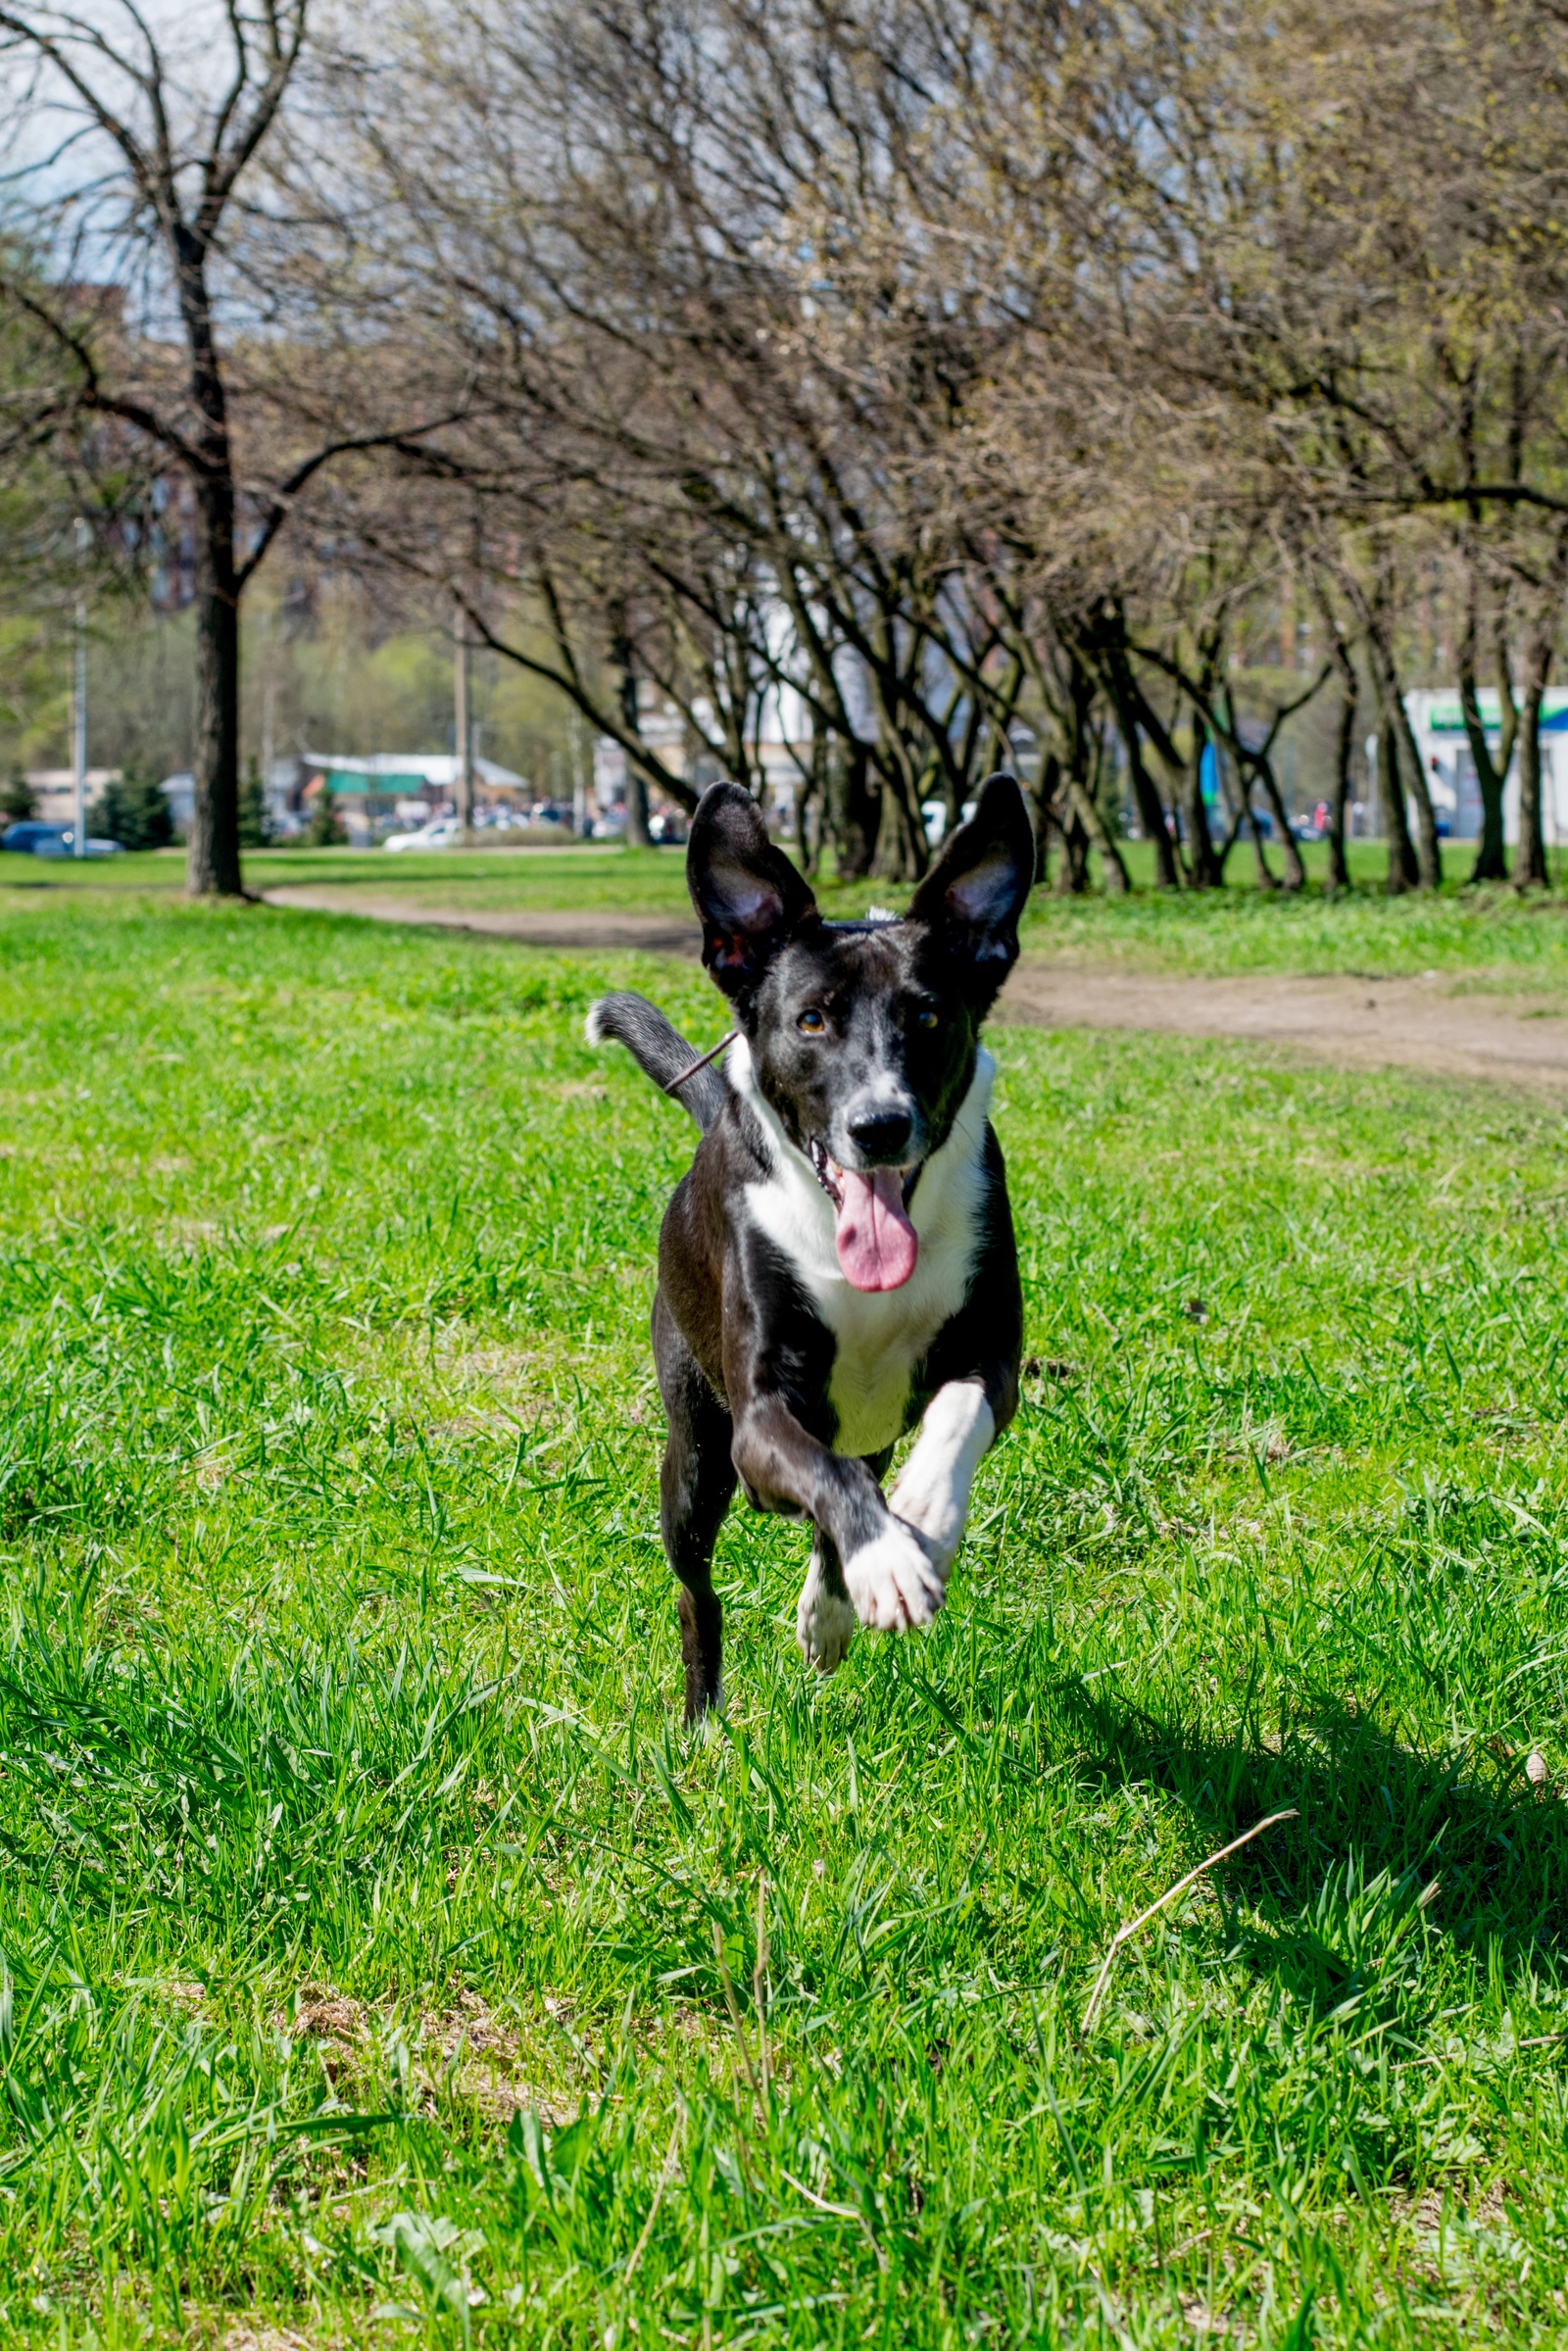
<point>877,1244</point>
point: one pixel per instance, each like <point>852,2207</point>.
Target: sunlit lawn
<point>360,1884</point>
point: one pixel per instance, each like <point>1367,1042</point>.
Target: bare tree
<point>711,395</point>
<point>154,136</point>
<point>935,367</point>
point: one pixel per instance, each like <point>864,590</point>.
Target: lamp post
<point>268,751</point>
<point>462,733</point>
<point>78,706</point>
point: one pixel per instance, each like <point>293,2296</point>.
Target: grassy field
<point>1494,940</point>
<point>360,1888</point>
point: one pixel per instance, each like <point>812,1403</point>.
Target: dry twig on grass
<point>734,2011</point>
<point>760,1981</point>
<point>665,2174</point>
<point>1124,1933</point>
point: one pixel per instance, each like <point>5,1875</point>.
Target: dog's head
<point>862,1035</point>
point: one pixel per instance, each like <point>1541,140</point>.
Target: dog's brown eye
<point>810,1022</point>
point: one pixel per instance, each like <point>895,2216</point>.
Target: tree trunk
<point>1530,850</point>
<point>811,791</point>
<point>1421,864</point>
<point>1404,873</point>
<point>212,867</point>
<point>1086,754</point>
<point>1267,878</point>
<point>1428,847</point>
<point>1072,874</point>
<point>1064,810</point>
<point>1338,877</point>
<point>1091,817</point>
<point>899,855</point>
<point>1044,809</point>
<point>1109,657</point>
<point>1145,798</point>
<point>1294,875</point>
<point>636,781</point>
<point>848,817</point>
<point>1205,869</point>
<point>1492,775</point>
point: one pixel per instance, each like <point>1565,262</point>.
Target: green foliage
<point>255,828</point>
<point>17,799</point>
<point>134,811</point>
<point>361,1886</point>
<point>343,682</point>
<point>324,828</point>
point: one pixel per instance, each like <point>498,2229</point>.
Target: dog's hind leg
<point>824,1619</point>
<point>696,1480</point>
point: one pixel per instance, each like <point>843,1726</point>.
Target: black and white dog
<point>839,1257</point>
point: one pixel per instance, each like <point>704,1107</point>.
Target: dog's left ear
<point>748,896</point>
<point>974,894</point>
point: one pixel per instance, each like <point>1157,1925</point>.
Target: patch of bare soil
<point>598,928</point>
<point>487,2055</point>
<point>1420,1023</point>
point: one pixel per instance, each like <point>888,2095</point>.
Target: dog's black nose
<point>881,1136</point>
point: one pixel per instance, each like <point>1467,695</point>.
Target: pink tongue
<point>877,1243</point>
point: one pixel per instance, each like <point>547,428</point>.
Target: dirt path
<point>596,927</point>
<point>1359,1023</point>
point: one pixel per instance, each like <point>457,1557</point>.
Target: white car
<point>440,833</point>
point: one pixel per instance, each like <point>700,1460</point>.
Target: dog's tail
<point>659,1049</point>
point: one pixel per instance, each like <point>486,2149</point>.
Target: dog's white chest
<point>875,1354</point>
<point>879,1335</point>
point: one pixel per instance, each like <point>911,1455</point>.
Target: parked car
<point>442,832</point>
<point>32,838</point>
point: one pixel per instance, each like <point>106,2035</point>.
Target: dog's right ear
<point>971,899</point>
<point>748,896</point>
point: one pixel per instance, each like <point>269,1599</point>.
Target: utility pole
<point>631,721</point>
<point>78,704</point>
<point>462,737</point>
<point>579,781</point>
<point>269,749</point>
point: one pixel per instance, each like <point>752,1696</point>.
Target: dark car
<point>32,838</point>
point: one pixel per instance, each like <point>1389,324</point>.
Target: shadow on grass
<point>1479,1847</point>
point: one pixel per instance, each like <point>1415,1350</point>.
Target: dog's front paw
<point>824,1624</point>
<point>935,1539</point>
<point>894,1580</point>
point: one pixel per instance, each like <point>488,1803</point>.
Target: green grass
<point>360,1884</point>
<point>597,874</point>
<point>1490,938</point>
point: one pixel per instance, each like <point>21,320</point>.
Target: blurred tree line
<point>1117,390</point>
<point>330,672</point>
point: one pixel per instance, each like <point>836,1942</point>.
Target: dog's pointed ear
<point>749,896</point>
<point>971,899</point>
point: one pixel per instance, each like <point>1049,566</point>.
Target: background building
<point>1438,723</point>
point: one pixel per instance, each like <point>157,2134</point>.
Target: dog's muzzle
<point>877,1244</point>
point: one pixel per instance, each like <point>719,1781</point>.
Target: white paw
<point>931,1526</point>
<point>894,1581</point>
<point>824,1624</point>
